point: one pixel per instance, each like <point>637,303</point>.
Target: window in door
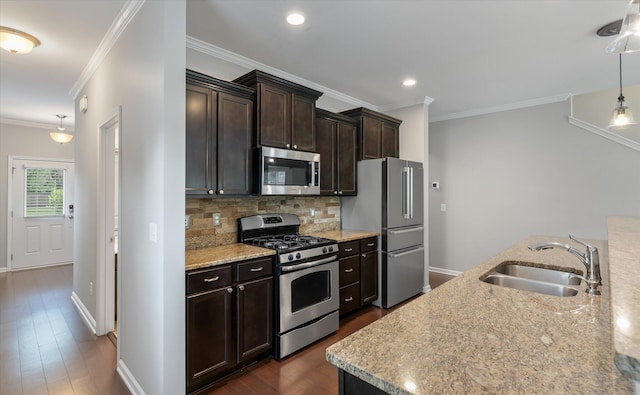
<point>44,192</point>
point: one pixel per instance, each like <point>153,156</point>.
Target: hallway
<point>45,346</point>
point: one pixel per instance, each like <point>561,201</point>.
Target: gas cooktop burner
<point>289,242</point>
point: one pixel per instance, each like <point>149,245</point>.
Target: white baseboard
<point>3,269</point>
<point>128,378</point>
<point>448,272</point>
<point>84,313</point>
<point>426,288</point>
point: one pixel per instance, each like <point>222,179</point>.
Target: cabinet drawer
<point>348,248</point>
<point>253,269</point>
<point>349,298</point>
<point>349,270</point>
<point>369,244</point>
<point>206,279</point>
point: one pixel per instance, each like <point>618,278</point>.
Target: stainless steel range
<point>307,279</point>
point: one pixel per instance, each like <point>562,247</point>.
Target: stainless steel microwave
<point>288,172</point>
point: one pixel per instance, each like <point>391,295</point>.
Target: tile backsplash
<point>203,234</point>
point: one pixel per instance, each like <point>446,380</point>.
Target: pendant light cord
<point>621,97</point>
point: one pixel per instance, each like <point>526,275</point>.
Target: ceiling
<point>464,54</point>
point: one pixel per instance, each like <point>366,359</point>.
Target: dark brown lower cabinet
<point>358,278</point>
<point>229,319</point>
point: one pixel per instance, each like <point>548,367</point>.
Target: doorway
<point>40,213</point>
<point>109,242</point>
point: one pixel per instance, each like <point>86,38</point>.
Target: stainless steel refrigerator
<point>390,201</point>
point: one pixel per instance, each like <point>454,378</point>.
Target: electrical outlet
<point>216,219</point>
<point>187,221</point>
<point>443,207</point>
<point>312,212</point>
<point>91,288</point>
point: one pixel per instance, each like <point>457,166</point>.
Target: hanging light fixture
<point>622,116</point>
<point>629,37</point>
<point>16,41</point>
<point>60,136</point>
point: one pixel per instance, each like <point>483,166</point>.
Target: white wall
<point>508,175</point>
<point>144,73</point>
<point>17,140</point>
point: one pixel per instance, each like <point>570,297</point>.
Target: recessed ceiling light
<point>409,82</point>
<point>295,19</point>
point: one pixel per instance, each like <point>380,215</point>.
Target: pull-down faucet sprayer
<point>590,259</point>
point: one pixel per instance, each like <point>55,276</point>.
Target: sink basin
<point>527,277</point>
<point>557,276</point>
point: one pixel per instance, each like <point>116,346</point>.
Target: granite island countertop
<point>624,269</point>
<point>214,256</point>
<point>467,336</point>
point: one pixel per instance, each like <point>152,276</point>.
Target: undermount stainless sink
<point>527,277</point>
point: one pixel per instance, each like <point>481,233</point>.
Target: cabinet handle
<point>348,270</point>
<point>230,290</point>
<point>349,299</point>
<point>348,249</point>
<point>340,193</point>
<point>221,192</point>
<point>241,287</point>
<point>257,269</point>
<point>370,244</point>
<point>364,255</point>
<point>210,191</point>
<point>211,279</point>
<point>295,146</point>
<point>335,192</point>
<point>288,145</point>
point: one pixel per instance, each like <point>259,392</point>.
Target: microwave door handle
<point>314,175</point>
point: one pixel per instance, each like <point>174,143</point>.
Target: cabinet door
<point>255,318</point>
<point>390,136</point>
<point>347,159</point>
<point>200,144</point>
<point>369,276</point>
<point>325,132</point>
<point>370,138</point>
<point>210,336</point>
<point>235,120</point>
<point>303,134</point>
<point>274,128</point>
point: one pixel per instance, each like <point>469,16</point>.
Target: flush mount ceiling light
<point>295,19</point>
<point>629,38</point>
<point>60,136</point>
<point>621,116</point>
<point>409,82</point>
<point>17,42</point>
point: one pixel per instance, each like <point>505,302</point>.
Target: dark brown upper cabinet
<point>378,134</point>
<point>337,135</point>
<point>219,130</point>
<point>285,112</point>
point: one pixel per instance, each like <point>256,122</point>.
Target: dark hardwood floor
<point>45,347</point>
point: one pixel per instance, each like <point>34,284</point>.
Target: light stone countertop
<point>214,256</point>
<point>467,336</point>
<point>624,270</point>
<point>345,235</point>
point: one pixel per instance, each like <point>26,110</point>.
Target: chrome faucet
<point>590,259</point>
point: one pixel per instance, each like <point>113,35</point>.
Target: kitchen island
<point>468,336</point>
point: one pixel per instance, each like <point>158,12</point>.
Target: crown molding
<point>125,16</point>
<point>242,61</point>
<point>604,133</point>
<point>502,107</point>
<point>30,124</point>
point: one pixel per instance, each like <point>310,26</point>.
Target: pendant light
<point>629,37</point>
<point>60,136</point>
<point>621,116</point>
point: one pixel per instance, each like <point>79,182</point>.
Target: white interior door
<point>41,213</point>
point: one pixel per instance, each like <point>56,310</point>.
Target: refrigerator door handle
<point>406,198</point>
<point>399,232</point>
<point>399,254</point>
<point>411,192</point>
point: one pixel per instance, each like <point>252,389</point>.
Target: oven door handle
<point>309,264</point>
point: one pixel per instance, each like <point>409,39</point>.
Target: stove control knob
<point>330,248</point>
<point>324,250</point>
<point>298,255</point>
<point>290,257</point>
